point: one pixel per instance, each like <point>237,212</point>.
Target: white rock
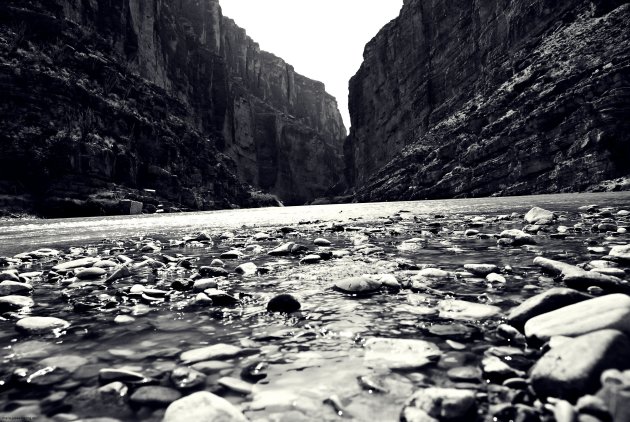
<point>203,406</point>
<point>463,310</point>
<point>400,353</point>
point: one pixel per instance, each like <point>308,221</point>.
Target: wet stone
<point>400,353</point>
<point>109,375</point>
<point>153,395</point>
<point>185,378</point>
<point>442,403</point>
<point>310,259</point>
<point>357,285</point>
<point>322,242</point>
<point>539,216</point>
<point>204,283</point>
<point>464,310</point>
<point>90,273</point>
<point>40,325</point>
<point>220,297</point>
<point>212,366</point>
<point>249,268</point>
<point>10,287</point>
<point>216,351</point>
<point>203,406</point>
<point>15,303</point>
<point>480,270</point>
<point>236,385</point>
<point>213,271</point>
<point>454,331</point>
<point>465,373</point>
<point>283,303</point>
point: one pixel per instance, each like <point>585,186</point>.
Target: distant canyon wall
<point>474,98</point>
<point>159,94</point>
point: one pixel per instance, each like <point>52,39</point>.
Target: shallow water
<point>309,356</point>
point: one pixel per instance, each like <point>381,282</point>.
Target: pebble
<point>357,285</point>
<point>216,351</point>
<point>185,378</point>
<point>621,252</point>
<point>285,303</point>
<point>396,353</point>
<point>232,254</point>
<point>10,287</point>
<point>247,269</point>
<point>464,310</point>
<point>212,366</point>
<point>440,404</point>
<point>220,297</point>
<point>539,216</point>
<point>77,263</point>
<point>322,242</point>
<point>284,249</point>
<point>481,270</point>
<point>40,325</point>
<point>464,373</point>
<point>236,385</point>
<point>517,238</point>
<point>15,303</point>
<point>203,406</point>
<point>90,273</point>
<point>213,272</point>
<point>495,278</point>
<point>109,375</point>
<point>204,283</point>
<point>310,259</point>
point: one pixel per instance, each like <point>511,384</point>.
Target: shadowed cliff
<point>105,100</point>
<point>462,98</point>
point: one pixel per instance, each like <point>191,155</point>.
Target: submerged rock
<point>440,404</point>
<point>464,310</point>
<point>39,325</point>
<point>396,353</point>
<point>216,351</point>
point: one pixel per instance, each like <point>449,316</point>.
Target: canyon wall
<point>158,100</point>
<point>491,97</point>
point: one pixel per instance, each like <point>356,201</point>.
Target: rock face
<point>469,99</point>
<point>153,101</point>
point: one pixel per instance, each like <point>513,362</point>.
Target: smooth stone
<point>204,283</point>
<point>10,276</point>
<point>236,385</point>
<point>109,375</point>
<point>564,411</point>
<point>124,319</point>
<point>105,263</point>
<point>621,252</point>
<point>464,373</point>
<point>283,303</point>
<point>217,263</point>
<point>496,368</point>
<point>15,303</point>
<point>610,311</point>
<point>471,232</point>
<point>357,285</point>
<point>322,242</point>
<point>481,270</point>
<point>400,353</point>
<point>121,271</point>
<point>539,215</point>
<point>310,259</point>
<point>77,263</point>
<point>495,278</point>
<point>184,377</point>
<point>443,404</point>
<point>463,310</point>
<point>220,297</point>
<point>248,268</point>
<point>454,331</point>
<point>38,325</point>
<point>213,271</point>
<point>575,277</point>
<point>90,273</point>
<point>574,368</point>
<point>68,362</point>
<point>212,366</point>
<point>203,406</point>
<point>284,249</point>
<point>548,301</point>
<point>214,352</point>
<point>434,273</point>
<point>518,237</point>
<point>10,287</point>
<point>232,254</point>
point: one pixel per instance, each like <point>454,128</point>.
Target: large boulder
<point>548,301</point>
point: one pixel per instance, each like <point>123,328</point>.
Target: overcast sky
<point>322,39</point>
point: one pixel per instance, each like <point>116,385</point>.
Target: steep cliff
<point>103,100</point>
<point>464,98</point>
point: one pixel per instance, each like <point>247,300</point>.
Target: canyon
<point>159,102</point>
<point>467,99</point>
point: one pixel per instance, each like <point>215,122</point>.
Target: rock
<point>232,254</point>
<point>40,325</point>
<point>212,366</point>
<point>204,283</point>
<point>77,263</point>
<point>548,301</point>
<point>68,362</point>
<point>399,353</point>
<point>322,242</point>
<point>9,276</point>
<point>495,369</point>
<point>201,407</point>
<point>247,269</point>
<point>574,368</point>
<point>283,303</point>
<point>213,272</point>
<point>185,378</point>
<point>120,272</point>
<point>621,252</point>
<point>214,352</point>
<point>495,278</point>
<point>155,396</point>
<point>464,373</point>
<point>284,249</point>
<point>463,310</point>
<point>539,216</point>
<point>443,404</point>
<point>518,237</point>
<point>434,273</point>
<point>236,385</point>
<point>481,270</point>
<point>578,278</point>
<point>90,273</point>
<point>357,285</point>
<point>610,311</point>
<point>15,303</point>
<point>310,259</point>
<point>220,298</point>
<point>110,375</point>
<point>10,287</point>
<point>124,319</point>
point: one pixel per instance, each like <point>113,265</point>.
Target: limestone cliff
<point>131,97</point>
<point>472,98</point>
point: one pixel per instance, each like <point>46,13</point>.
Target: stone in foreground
<point>201,407</point>
<point>610,311</point>
<point>357,285</point>
<point>573,368</point>
<point>548,301</point>
<point>396,353</point>
<point>441,404</point>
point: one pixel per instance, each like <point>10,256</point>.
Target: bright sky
<point>322,39</point>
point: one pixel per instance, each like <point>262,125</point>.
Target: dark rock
<point>283,303</point>
<point>15,303</point>
<point>573,369</point>
<point>213,272</point>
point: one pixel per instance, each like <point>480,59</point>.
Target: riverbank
<point>317,318</point>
